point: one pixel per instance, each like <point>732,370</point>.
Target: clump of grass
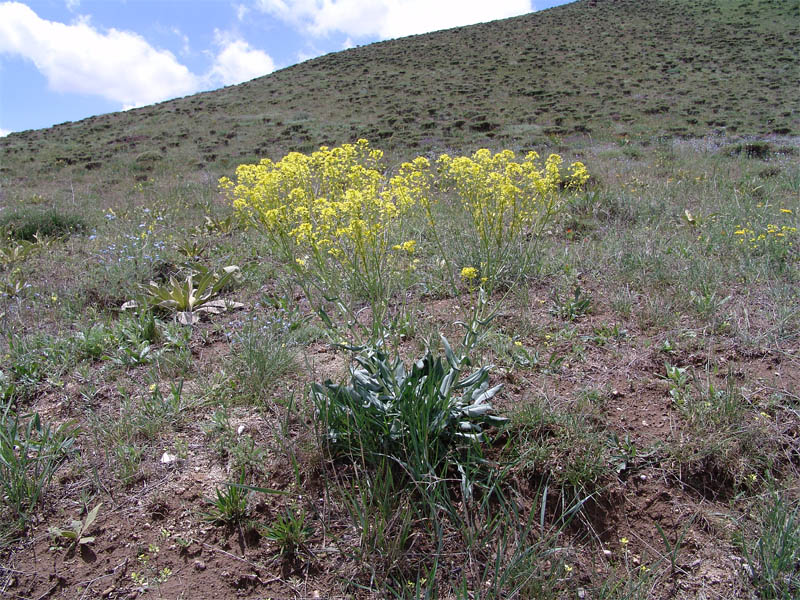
<point>290,532</point>
<point>28,223</point>
<point>239,450</point>
<point>30,453</point>
<point>755,149</point>
<point>563,444</point>
<point>263,351</point>
<point>571,309</point>
<point>229,506</point>
<point>773,556</point>
<point>36,359</point>
<point>121,434</point>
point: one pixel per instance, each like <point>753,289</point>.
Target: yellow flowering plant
<point>508,204</point>
<point>335,219</point>
<point>776,236</point>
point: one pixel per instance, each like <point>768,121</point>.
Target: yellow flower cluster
<point>773,231</point>
<point>333,193</point>
<point>335,217</point>
<point>507,198</point>
<point>335,202</point>
<point>769,233</point>
<point>410,246</point>
<point>503,195</point>
<point>469,273</point>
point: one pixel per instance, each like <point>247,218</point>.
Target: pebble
<point>748,569</point>
<point>199,565</point>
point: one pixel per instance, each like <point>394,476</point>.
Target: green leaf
<point>90,518</point>
<point>448,352</point>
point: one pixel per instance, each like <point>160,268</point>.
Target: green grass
<point>229,505</point>
<point>774,554</point>
<point>29,223</point>
<point>31,451</point>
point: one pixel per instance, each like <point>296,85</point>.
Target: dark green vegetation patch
<point>28,223</point>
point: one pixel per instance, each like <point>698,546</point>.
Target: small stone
<point>107,592</point>
<point>643,477</point>
<point>168,459</point>
<point>199,565</point>
<point>748,569</point>
<point>606,552</point>
<point>581,593</point>
<point>240,430</point>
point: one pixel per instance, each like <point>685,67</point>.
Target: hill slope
<point>605,67</point>
<point>643,340</point>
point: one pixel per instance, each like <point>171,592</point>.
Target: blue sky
<point>64,60</point>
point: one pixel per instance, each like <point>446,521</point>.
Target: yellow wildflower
<point>410,246</point>
<point>469,273</point>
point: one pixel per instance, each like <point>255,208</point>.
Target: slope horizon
<point>60,61</point>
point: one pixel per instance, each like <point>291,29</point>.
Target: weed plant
<point>289,531</point>
<point>31,451</point>
<point>509,205</point>
<point>229,506</point>
<point>264,351</point>
<point>426,419</point>
<point>334,219</point>
<point>774,555</point>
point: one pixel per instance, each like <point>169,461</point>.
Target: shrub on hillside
<point>26,224</point>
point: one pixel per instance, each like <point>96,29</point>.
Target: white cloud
<point>388,18</point>
<point>185,48</point>
<point>4,132</point>
<point>241,11</point>
<point>72,4</point>
<point>237,61</point>
<point>118,65</point>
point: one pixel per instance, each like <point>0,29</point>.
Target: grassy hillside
<point>171,424</point>
<point>610,68</point>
